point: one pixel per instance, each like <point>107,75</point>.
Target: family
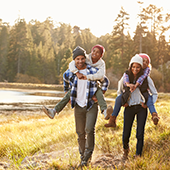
<point>85,84</point>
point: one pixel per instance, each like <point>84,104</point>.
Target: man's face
<point>80,62</point>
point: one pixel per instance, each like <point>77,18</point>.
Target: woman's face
<point>135,68</point>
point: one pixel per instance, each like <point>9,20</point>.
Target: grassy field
<point>52,144</point>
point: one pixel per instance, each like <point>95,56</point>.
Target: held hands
<point>81,76</point>
<point>132,87</point>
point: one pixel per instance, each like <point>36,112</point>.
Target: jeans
<point>101,100</point>
<point>129,115</point>
<point>63,102</point>
<point>118,105</point>
<point>151,105</point>
<point>85,122</point>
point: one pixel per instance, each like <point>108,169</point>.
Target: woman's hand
<point>126,105</point>
<point>144,105</point>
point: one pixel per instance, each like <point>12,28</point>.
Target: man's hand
<point>94,98</point>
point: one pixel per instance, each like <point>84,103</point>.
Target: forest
<point>39,52</point>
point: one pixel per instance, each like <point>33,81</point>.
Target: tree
<point>118,42</point>
<point>66,60</point>
<point>20,48</point>
<point>4,42</point>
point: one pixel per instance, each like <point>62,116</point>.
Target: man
<point>85,109</point>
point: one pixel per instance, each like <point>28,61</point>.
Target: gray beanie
<point>136,59</point>
<point>78,51</point>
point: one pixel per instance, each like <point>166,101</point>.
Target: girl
<point>135,105</point>
<point>150,101</point>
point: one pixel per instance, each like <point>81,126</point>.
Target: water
<point>26,99</point>
<point>9,96</point>
<point>29,99</point>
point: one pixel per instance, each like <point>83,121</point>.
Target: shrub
<point>24,78</point>
<point>156,77</point>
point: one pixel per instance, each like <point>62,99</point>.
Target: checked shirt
<point>70,82</point>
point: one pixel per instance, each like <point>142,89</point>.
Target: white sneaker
<point>107,112</point>
<point>49,112</point>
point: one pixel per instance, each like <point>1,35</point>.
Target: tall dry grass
<point>24,136</point>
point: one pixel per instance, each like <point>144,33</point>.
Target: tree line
<point>39,52</point>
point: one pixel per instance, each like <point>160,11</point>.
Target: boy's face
<point>145,63</point>
<point>96,54</point>
<point>80,62</point>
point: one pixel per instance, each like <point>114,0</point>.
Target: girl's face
<point>135,68</point>
<point>145,63</point>
<point>96,55</point>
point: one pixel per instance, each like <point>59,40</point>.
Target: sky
<point>97,15</point>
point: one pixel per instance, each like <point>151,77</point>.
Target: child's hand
<point>132,87</point>
<point>84,77</point>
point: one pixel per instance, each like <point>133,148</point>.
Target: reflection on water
<point>7,96</point>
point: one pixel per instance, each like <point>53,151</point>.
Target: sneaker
<point>49,112</point>
<point>107,112</point>
<point>85,162</point>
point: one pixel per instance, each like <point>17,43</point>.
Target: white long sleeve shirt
<point>100,64</point>
<point>136,96</point>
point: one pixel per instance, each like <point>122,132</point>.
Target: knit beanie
<point>143,55</point>
<point>100,47</point>
<point>136,59</point>
<point>79,51</point>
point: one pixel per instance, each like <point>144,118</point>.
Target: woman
<point>135,105</point>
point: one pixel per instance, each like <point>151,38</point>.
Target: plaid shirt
<point>140,79</point>
<point>70,82</point>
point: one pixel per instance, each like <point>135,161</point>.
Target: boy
<point>95,60</point>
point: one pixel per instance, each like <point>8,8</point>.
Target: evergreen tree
<point>118,42</point>
<point>4,41</point>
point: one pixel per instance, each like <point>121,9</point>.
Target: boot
<point>125,153</point>
<point>155,118</point>
<point>112,122</point>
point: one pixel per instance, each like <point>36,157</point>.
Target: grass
<point>24,136</point>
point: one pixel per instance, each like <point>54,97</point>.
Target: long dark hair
<point>131,76</point>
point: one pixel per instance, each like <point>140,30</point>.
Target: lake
<point>20,99</point>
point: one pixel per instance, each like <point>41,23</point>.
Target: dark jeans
<point>85,128</point>
<point>129,115</point>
